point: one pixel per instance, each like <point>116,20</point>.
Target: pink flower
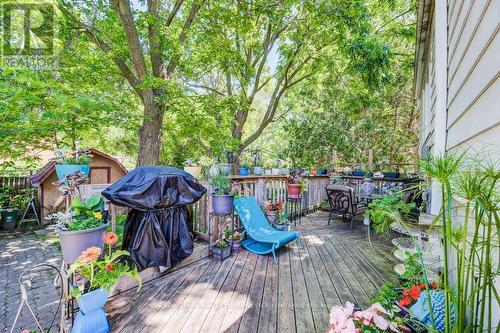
<point>25,331</point>
<point>380,322</point>
<point>393,327</point>
<point>378,308</point>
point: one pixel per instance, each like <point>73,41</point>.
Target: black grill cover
<point>157,228</point>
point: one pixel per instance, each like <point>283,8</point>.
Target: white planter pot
<point>284,171</point>
<point>275,172</point>
<point>194,171</point>
<point>267,172</point>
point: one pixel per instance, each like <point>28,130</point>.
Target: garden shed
<point>104,169</point>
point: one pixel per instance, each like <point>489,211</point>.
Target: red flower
<point>415,292</point>
<point>406,292</point>
<point>405,301</point>
<point>109,267</point>
<point>434,285</point>
<point>280,203</point>
<point>421,286</point>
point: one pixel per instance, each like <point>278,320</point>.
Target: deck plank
<point>231,322</point>
<point>254,298</point>
<point>304,321</point>
<point>316,298</point>
<point>248,293</point>
<point>286,315</point>
<point>269,312</point>
<point>213,320</point>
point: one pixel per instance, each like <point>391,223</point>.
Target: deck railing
<point>263,188</point>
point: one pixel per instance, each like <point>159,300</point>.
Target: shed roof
<point>49,168</point>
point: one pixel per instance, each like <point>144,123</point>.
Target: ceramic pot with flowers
<point>100,272</point>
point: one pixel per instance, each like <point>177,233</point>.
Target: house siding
<point>473,110</point>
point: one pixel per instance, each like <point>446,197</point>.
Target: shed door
<point>100,175</point>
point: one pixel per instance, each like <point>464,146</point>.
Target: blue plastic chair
<point>263,238</point>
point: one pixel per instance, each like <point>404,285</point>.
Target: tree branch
<point>182,36</point>
<point>154,42</point>
<point>124,11</point>
<point>173,12</point>
<point>120,63</point>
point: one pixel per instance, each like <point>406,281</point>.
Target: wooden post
<point>370,159</point>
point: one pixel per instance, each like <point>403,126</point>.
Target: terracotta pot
<point>294,190</point>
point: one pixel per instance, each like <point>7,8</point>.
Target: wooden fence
<point>16,182</point>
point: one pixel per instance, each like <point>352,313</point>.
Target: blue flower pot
<point>391,174</point>
<point>358,173</point>
<point>92,318</point>
<point>63,170</point>
<point>243,171</point>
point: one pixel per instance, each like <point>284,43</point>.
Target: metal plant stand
<point>293,209</point>
<point>219,217</point>
<point>24,298</point>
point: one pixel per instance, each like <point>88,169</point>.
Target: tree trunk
<point>150,132</point>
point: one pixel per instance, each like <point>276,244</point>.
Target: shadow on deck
<point>248,293</point>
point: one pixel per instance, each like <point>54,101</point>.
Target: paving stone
<point>17,255</point>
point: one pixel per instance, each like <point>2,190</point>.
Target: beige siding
<point>473,119</point>
<point>428,97</point>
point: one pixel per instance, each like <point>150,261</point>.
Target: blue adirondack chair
<point>263,238</point>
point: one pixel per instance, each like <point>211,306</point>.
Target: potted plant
<point>99,274</point>
<point>81,227</point>
<point>284,170</point>
<point>281,221</point>
<point>221,249</point>
<point>324,205</point>
<point>234,240</point>
<point>295,186</point>
<point>267,170</point>
<point>222,195</point>
<point>391,172</point>
<point>192,167</point>
<point>67,162</point>
<point>358,173</point>
<point>275,171</point>
<point>272,210</point>
<point>244,170</point>
<point>10,202</point>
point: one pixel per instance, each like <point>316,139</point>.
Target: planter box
<point>74,242</point>
<point>221,254</point>
<point>235,246</point>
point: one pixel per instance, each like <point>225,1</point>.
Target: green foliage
<point>413,273</point>
<point>10,197</point>
<point>94,203</point>
<point>103,273</point>
<point>84,224</point>
<point>221,184</point>
<point>387,295</point>
<point>384,211</point>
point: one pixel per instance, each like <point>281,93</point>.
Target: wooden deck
<point>248,293</point>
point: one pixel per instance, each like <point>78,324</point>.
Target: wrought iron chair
<point>343,202</point>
